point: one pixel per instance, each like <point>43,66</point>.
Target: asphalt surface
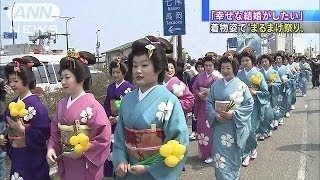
<point>292,152</point>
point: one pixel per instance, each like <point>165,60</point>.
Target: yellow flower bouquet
<point>273,77</point>
<point>170,153</point>
<point>78,144</point>
<point>255,81</point>
<point>17,113</point>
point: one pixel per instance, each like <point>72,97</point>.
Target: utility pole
<point>12,27</point>
<point>66,34</point>
<point>98,45</point>
<point>310,49</point>
<point>179,47</point>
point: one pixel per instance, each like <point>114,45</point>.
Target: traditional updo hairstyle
<point>22,67</point>
<point>249,55</point>
<point>199,62</point>
<point>265,56</point>
<point>279,54</point>
<point>233,61</point>
<point>172,61</point>
<point>208,58</point>
<point>117,62</point>
<point>158,56</point>
<point>77,63</point>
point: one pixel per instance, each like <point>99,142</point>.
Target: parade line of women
<point>236,100</point>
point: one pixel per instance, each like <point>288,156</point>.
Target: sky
<point>122,21</point>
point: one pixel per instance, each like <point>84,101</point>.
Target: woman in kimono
<point>284,90</point>
<point>260,95</point>
<point>27,136</point>
<point>149,117</point>
<point>78,113</point>
<point>305,71</point>
<point>177,87</point>
<point>290,90</point>
<point>230,128</point>
<point>200,70</point>
<point>272,78</point>
<point>115,92</point>
<point>200,90</point>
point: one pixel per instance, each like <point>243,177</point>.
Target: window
<point>40,74</point>
<point>2,73</point>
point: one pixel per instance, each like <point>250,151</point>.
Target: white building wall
<point>298,43</point>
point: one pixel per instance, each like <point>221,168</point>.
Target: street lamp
<point>98,44</point>
<point>67,35</point>
<point>12,29</point>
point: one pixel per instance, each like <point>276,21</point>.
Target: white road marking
<point>303,156</point>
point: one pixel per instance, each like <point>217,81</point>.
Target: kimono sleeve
<point>106,103</point>
<point>263,93</point>
<point>119,150</point>
<point>242,118</point>
<point>55,133</point>
<point>100,137</point>
<point>195,86</point>
<point>186,100</point>
<point>38,133</point>
<point>175,128</point>
<point>210,106</point>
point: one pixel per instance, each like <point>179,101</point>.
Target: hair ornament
<point>17,69</point>
<point>150,48</point>
<point>72,56</point>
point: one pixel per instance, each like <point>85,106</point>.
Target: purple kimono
<point>183,93</point>
<point>28,156</point>
<point>91,113</point>
<point>113,94</point>
<point>203,129</point>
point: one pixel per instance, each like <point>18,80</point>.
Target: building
<point>123,50</point>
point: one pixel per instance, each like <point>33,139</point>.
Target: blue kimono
<point>260,100</point>
<point>113,93</point>
<point>286,86</point>
<point>295,80</point>
<point>305,71</point>
<point>137,116</point>
<point>269,114</point>
<point>229,138</point>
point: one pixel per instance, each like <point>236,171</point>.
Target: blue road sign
<point>8,35</point>
<point>232,42</point>
<point>174,17</point>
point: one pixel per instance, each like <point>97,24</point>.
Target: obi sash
<point>142,144</point>
<point>17,139</point>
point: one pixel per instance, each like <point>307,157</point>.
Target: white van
<point>47,75</point>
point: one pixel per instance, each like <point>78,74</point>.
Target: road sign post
<point>9,35</point>
<point>174,17</point>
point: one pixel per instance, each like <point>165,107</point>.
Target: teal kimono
<point>140,116</point>
<point>229,138</point>
<point>269,114</point>
<point>285,71</point>
<point>295,80</point>
<point>305,72</point>
<point>260,100</point>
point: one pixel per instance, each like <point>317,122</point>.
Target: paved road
<point>293,152</point>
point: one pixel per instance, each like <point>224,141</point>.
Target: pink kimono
<point>89,112</point>
<point>203,129</point>
<point>183,93</point>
